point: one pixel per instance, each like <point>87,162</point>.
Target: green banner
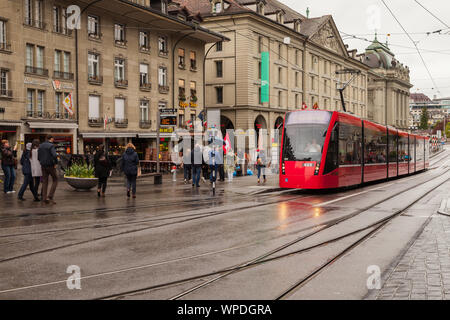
<point>265,76</point>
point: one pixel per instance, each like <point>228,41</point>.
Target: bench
<point>157,177</point>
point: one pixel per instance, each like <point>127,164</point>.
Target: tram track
<point>268,256</point>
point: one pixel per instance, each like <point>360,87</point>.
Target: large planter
<point>81,184</point>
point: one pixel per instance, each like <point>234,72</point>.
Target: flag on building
<point>67,103</point>
<point>227,145</point>
<point>105,121</point>
<point>304,106</point>
<point>315,106</point>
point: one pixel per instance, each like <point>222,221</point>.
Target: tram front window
<point>304,142</point>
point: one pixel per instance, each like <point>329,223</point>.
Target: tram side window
<point>350,140</point>
<point>403,154</point>
<point>374,146</point>
<point>412,154</point>
<point>419,149</point>
<point>393,147</point>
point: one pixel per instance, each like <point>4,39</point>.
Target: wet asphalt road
<point>176,242</point>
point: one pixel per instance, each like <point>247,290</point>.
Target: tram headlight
<point>283,169</point>
<point>316,170</point>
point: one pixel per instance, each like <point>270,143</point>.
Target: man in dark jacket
<point>27,175</point>
<point>48,158</point>
<point>130,162</point>
<point>8,164</point>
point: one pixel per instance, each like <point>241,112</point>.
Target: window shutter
<point>143,68</point>
<point>119,108</point>
<point>94,107</point>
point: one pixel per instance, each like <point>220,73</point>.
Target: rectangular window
<point>350,142</point>
<point>93,66</point>
<point>30,58</point>
<point>259,96</point>
<point>296,57</point>
<point>66,61</point>
<point>40,57</point>
<point>143,107</point>
<point>193,58</point>
<point>162,45</point>
<point>28,12</point>
<point>119,33</point>
<point>259,69</point>
<point>59,20</point>
<point>280,99</point>
<point>93,26</point>
<point>219,69</point>
<point>219,94</point>
<point>296,79</point>
<point>143,70</point>
<point>2,34</point>
<point>181,89</point>
<point>312,83</point>
<point>144,43</point>
<point>193,87</point>
<point>280,75</point>
<point>58,99</point>
<point>3,82</point>
<point>260,44</point>
<point>40,103</point>
<point>56,21</point>
<point>94,107</point>
<point>162,76</point>
<point>325,86</point>
<point>119,109</point>
<point>296,101</point>
<point>30,102</point>
<point>57,60</point>
<point>38,6</point>
<point>119,69</point>
<point>280,50</point>
<point>219,46</point>
<point>181,58</point>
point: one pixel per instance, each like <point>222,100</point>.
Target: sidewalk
<point>424,270</point>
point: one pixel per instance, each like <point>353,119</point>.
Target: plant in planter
<point>80,176</point>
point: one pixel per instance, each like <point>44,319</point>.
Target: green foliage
<point>424,119</point>
<point>80,171</point>
<point>447,129</point>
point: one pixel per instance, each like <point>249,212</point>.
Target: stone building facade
<point>134,58</point>
<point>304,55</point>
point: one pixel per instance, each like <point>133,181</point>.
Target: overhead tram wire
<point>437,18</point>
<point>415,45</point>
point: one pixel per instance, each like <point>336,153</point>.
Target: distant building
<point>437,109</point>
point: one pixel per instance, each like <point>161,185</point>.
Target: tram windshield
<point>304,135</point>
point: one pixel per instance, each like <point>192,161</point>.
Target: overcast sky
<point>359,17</point>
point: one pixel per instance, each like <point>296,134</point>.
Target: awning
<point>52,125</point>
<point>108,135</point>
<point>10,124</point>
<point>153,135</point>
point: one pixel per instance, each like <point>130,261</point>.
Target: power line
<point>445,24</point>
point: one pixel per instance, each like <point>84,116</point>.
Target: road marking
<point>349,196</point>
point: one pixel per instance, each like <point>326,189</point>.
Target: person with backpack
<point>129,164</point>
<point>27,174</point>
<point>102,168</point>
<point>49,159</point>
<point>8,165</point>
<point>261,161</point>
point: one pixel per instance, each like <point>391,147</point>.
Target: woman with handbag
<point>36,169</point>
<point>130,162</point>
<point>102,169</point>
<point>27,174</point>
<point>9,163</point>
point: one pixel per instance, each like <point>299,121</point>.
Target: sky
<point>362,17</point>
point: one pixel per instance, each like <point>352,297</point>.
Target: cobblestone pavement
<point>423,272</point>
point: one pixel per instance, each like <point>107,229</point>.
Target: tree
<point>447,129</point>
<point>424,119</point>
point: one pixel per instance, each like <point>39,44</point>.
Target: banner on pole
<point>265,66</point>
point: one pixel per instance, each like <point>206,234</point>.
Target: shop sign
<point>58,85</point>
<point>28,80</point>
<point>193,104</point>
<point>167,111</point>
<point>183,104</point>
<point>166,130</point>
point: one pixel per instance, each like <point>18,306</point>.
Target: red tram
<point>330,149</point>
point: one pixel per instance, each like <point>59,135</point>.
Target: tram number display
<point>168,120</point>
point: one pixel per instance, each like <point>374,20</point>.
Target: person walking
<point>214,161</point>
<point>187,165</point>
<point>196,160</point>
<point>48,159</point>
<point>8,165</point>
<point>27,174</point>
<point>130,162</point>
<point>230,164</point>
<point>36,169</point>
<point>102,168</point>
<point>261,164</point>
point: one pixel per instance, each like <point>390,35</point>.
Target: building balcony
<point>145,49</point>
<point>145,124</point>
<point>121,43</point>
<point>95,35</point>
<point>36,71</point>
<point>93,79</point>
<point>121,123</point>
<point>6,94</point>
<point>35,23</point>
<point>163,89</point>
<point>62,75</point>
<point>163,53</point>
<point>145,86</point>
<point>193,67</point>
<point>6,47</point>
<point>61,30</point>
<point>182,66</point>
<point>121,83</point>
<point>95,122</point>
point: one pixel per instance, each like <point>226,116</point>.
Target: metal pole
<point>204,78</point>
